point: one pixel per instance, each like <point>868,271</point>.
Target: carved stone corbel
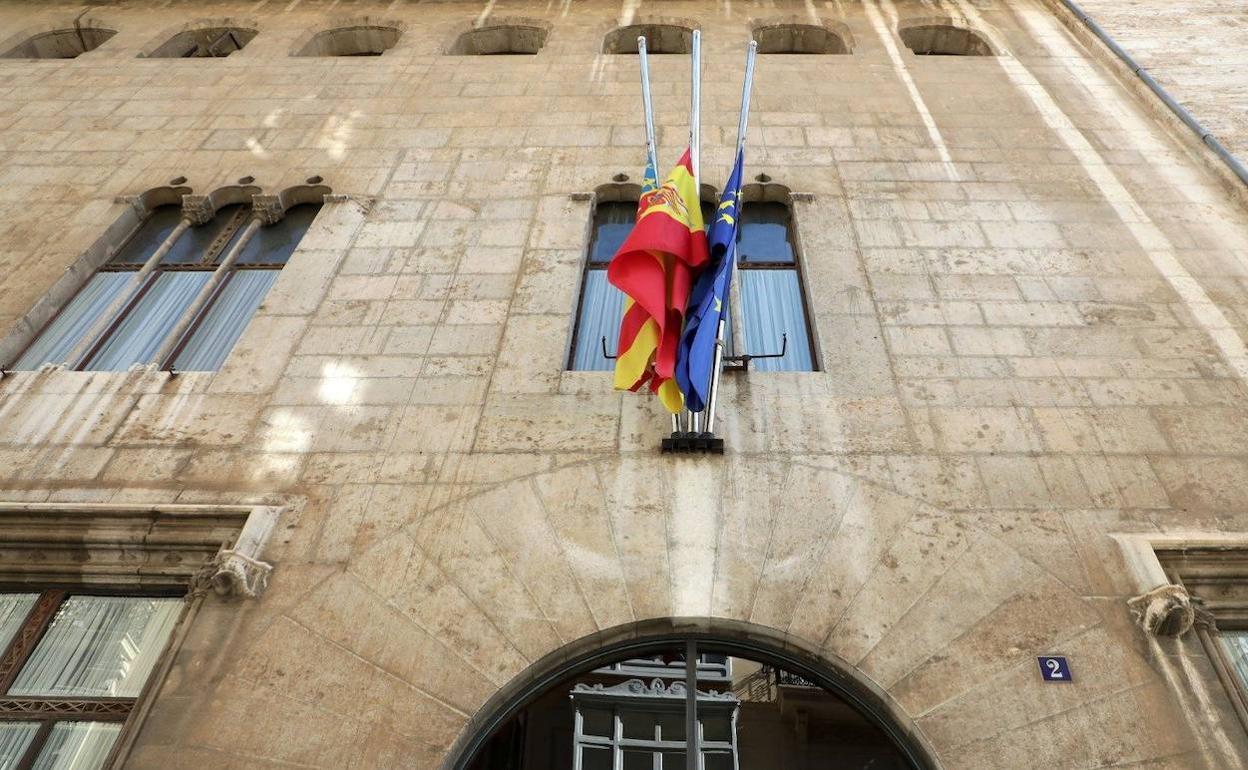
<point>1164,611</point>
<point>239,571</point>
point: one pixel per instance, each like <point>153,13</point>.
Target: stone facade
<point>1029,302</point>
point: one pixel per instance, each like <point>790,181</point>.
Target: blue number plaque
<point>1054,668</point>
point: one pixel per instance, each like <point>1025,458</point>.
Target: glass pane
<point>595,758</point>
<point>151,234</point>
<point>14,738</point>
<point>612,224</point>
<point>275,243</point>
<point>223,324</point>
<point>764,233</point>
<point>638,724</point>
<point>639,760</point>
<point>602,307</point>
<point>13,611</point>
<point>717,728</point>
<point>717,761</point>
<point>99,647</point>
<point>598,722</point>
<point>1235,644</point>
<point>69,326</point>
<point>190,248</point>
<point>672,726</point>
<point>772,305</point>
<point>77,746</point>
<point>137,338</point>
<point>673,760</point>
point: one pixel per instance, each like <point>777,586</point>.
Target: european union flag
<point>708,301</point>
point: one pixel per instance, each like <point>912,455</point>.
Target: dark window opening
<point>363,40</point>
<point>799,38</point>
<point>207,42</point>
<point>944,40</point>
<point>500,40</point>
<point>60,44</point>
<point>660,39</point>
<point>772,302</point>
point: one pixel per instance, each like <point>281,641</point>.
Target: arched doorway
<point>623,700</point>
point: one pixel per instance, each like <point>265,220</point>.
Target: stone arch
<point>734,636</point>
<point>795,35</point>
<point>67,40</point>
<point>663,35</point>
<point>942,36</point>
<point>201,39</point>
<point>501,36</point>
<point>362,36</point>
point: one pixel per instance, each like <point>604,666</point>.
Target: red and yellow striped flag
<point>655,268</point>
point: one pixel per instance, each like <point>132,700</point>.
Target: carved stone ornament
<point>240,575</point>
<point>198,209</point>
<point>657,688</point>
<point>1164,611</point>
<point>267,208</point>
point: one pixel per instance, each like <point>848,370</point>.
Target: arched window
<point>183,308</point>
<point>800,38</point>
<point>772,303</point>
<point>61,43</point>
<point>601,305</point>
<point>204,42</point>
<point>943,40</point>
<point>359,40</point>
<point>497,39</point>
<point>632,711</point>
<point>660,38</point>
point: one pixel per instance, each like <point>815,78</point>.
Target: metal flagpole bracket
<point>743,361</point>
<point>688,442</point>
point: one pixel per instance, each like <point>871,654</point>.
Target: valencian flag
<point>655,268</point>
<point>709,300</point>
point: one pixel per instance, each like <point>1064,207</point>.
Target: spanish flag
<point>655,268</point>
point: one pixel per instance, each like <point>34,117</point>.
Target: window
<point>644,728</point>
<point>500,39</point>
<point>800,38</point>
<point>204,42</point>
<point>359,40</point>
<point>660,38</point>
<point>185,312</point>
<point>602,305</point>
<point>74,668</point>
<point>772,303</point>
<point>61,43</point>
<point>943,40</point>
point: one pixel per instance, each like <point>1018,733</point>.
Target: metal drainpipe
<point>1205,136</point>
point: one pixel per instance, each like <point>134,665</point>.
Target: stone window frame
<point>837,29</point>
<point>138,550</point>
<point>10,46</point>
<point>196,210</point>
<point>621,40</point>
<point>1193,582</point>
<point>462,35</point>
<point>304,42</point>
<point>167,36</point>
<point>960,25</point>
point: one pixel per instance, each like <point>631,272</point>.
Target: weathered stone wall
<point>1029,307</point>
<point>1195,50</point>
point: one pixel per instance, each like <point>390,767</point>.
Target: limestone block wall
<point>1196,50</point>
<point>1029,308</point>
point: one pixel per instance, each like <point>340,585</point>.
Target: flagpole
<point>717,367</point>
<point>652,154</point>
<point>695,155</point>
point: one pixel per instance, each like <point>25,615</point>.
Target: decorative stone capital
<point>198,209</point>
<point>1164,611</point>
<point>267,208</point>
